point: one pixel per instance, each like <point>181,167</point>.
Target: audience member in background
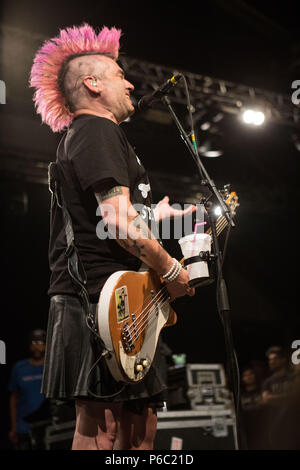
<point>24,387</point>
<point>251,388</point>
<point>278,385</point>
<point>252,413</point>
<point>277,392</point>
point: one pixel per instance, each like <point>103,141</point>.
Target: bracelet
<point>169,273</point>
<point>176,273</point>
<point>172,274</point>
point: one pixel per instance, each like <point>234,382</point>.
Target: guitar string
<point>151,300</point>
<point>151,322</point>
<point>155,300</point>
<point>144,314</point>
<point>149,319</point>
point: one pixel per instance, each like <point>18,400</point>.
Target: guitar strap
<point>75,266</point>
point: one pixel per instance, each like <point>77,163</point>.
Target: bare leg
<point>96,425</point>
<point>137,431</point>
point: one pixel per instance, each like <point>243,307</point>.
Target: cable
<point>104,353</point>
<point>192,131</point>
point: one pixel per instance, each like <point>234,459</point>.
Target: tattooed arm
<point>133,234</point>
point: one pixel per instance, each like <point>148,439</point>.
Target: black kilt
<point>71,352</point>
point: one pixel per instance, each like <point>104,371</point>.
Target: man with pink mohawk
<point>80,88</point>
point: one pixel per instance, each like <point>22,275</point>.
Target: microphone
<point>147,100</point>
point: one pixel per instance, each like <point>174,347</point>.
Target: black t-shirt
<point>250,399</point>
<point>278,384</point>
<point>94,150</point>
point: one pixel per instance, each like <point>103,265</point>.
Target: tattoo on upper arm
<point>108,193</point>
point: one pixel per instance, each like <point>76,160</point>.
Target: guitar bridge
<point>127,339</point>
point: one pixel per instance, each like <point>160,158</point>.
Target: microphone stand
<point>206,180</point>
<point>222,295</point>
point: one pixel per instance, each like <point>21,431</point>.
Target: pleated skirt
<point>72,351</point>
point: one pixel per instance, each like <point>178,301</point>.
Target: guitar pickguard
<point>147,351</point>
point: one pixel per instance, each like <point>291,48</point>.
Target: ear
<point>93,84</point>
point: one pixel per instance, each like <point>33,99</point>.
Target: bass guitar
<point>133,308</point>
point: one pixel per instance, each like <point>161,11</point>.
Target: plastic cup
<point>192,245</point>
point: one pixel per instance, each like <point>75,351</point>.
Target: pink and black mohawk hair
<point>49,100</point>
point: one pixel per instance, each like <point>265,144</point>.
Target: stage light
<point>207,149</point>
<point>209,136</point>
<point>209,119</point>
<point>217,211</point>
<point>250,116</point>
<point>259,118</point>
<point>211,146</point>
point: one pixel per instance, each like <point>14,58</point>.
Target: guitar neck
<point>220,225</point>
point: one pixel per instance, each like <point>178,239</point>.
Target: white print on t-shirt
<point>144,188</point>
<point>29,378</point>
<point>146,212</point>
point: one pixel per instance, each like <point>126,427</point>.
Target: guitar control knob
<point>145,363</point>
<point>139,367</point>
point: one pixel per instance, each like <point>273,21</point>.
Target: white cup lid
<point>192,237</point>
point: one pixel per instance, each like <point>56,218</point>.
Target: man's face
<point>248,377</point>
<point>37,349</point>
<point>115,93</point>
<point>275,362</point>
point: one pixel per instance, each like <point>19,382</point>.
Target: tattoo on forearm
<point>107,194</point>
<point>133,248</point>
<point>134,245</point>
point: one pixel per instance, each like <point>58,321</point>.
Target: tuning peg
<point>227,188</point>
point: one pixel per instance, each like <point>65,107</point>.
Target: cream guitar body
<point>132,310</point>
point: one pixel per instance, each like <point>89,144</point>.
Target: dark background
<point>249,42</point>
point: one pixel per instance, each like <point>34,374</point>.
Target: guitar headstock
<point>232,202</point>
<point>230,198</point>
